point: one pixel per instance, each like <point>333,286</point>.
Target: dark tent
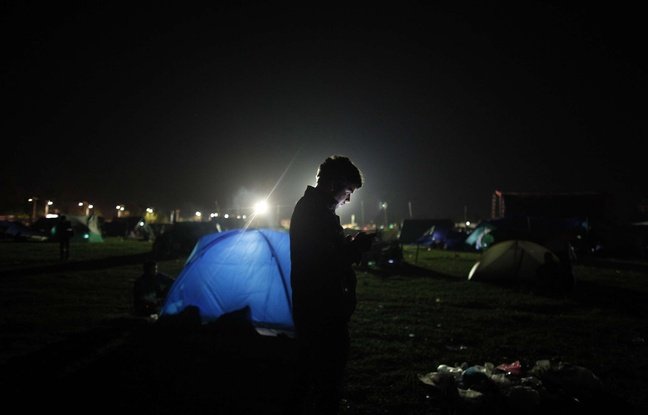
<point>17,231</point>
<point>131,227</point>
<point>412,230</point>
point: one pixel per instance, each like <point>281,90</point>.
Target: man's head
<point>339,178</point>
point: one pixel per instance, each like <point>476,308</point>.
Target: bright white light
<point>90,206</point>
<point>226,216</point>
<point>244,216</point>
<point>80,203</point>
<point>260,207</point>
<point>141,224</point>
<point>51,216</point>
<point>467,223</point>
<point>149,210</point>
<point>50,203</point>
<point>199,214</point>
<point>121,208</point>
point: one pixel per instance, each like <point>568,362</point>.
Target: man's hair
<point>339,169</point>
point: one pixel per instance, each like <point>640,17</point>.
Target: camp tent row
<point>238,269</point>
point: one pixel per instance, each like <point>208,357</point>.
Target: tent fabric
<point>514,261</point>
<point>413,229</point>
<point>533,228</point>
<point>85,228</point>
<point>231,270</point>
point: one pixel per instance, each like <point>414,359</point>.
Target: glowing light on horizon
<point>261,207</point>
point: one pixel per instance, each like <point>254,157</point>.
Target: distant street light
<point>383,206</point>
<point>88,206</point>
<point>33,201</point>
<point>47,205</point>
<point>120,209</point>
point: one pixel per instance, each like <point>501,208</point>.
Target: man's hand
<point>363,240</point>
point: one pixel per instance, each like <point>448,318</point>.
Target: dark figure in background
<point>564,250</point>
<point>63,233</point>
<point>553,278</point>
<point>323,285</point>
<point>150,290</point>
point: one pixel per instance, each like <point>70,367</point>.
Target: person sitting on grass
<point>150,290</point>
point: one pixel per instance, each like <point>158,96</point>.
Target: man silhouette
<point>63,233</point>
<point>323,285</point>
<point>150,290</point>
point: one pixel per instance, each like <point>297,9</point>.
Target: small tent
<point>85,228</point>
<point>412,230</point>
<point>229,271</point>
<point>512,261</point>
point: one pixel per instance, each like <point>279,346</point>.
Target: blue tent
<point>230,270</point>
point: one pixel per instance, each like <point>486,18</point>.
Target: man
<point>323,284</point>
<point>150,290</point>
<point>64,232</point>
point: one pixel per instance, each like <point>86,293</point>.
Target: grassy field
<point>70,325</point>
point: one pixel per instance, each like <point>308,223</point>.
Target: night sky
<point>439,105</point>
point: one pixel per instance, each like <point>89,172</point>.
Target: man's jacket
<point>322,278</point>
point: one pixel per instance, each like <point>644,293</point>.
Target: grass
<point>413,323</point>
<point>407,323</point>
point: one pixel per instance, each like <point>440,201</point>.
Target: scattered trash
<point>454,371</point>
<point>454,347</point>
<point>520,388</point>
<point>514,368</point>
